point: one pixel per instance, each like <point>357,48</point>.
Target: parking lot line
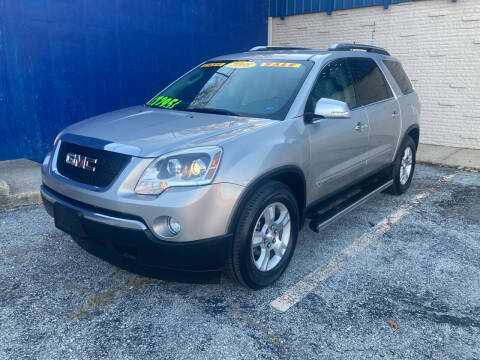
<point>311,281</point>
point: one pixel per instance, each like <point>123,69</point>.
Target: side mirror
<point>332,109</point>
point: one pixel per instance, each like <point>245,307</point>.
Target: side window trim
<point>379,102</point>
<point>387,83</point>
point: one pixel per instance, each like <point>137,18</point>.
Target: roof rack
<point>367,48</point>
<point>274,48</point>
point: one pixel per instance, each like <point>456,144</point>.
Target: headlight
<point>196,166</point>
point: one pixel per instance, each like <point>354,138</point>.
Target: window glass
<point>334,82</point>
<point>399,75</point>
<point>370,84</point>
<point>255,88</point>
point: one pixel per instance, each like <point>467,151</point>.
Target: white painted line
<point>311,281</point>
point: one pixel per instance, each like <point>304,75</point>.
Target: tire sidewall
<point>396,170</point>
<point>253,277</point>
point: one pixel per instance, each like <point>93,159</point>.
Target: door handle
<point>360,126</point>
<point>394,114</point>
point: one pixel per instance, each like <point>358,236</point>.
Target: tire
<point>401,182</point>
<point>246,264</point>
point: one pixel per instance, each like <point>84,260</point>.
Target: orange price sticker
<point>281,64</point>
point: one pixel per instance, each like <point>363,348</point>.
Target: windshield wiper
<point>213,111</point>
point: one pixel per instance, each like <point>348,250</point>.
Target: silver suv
<point>222,168</point>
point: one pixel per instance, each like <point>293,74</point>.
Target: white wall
<point>438,43</point>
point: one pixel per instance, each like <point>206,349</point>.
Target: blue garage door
<point>63,61</point>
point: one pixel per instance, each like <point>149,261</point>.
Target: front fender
<point>248,157</point>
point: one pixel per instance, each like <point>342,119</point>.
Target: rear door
<point>406,95</point>
<point>383,111</point>
<point>338,147</point>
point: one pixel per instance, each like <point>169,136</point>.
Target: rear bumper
<point>127,242</point>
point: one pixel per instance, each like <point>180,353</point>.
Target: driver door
<point>338,147</point>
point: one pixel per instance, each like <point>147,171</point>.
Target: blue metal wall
<point>283,8</point>
<point>62,61</point>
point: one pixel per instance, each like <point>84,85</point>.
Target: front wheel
<point>265,236</point>
<point>404,167</point>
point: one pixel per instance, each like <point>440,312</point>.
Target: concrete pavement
<point>449,156</point>
<point>19,183</point>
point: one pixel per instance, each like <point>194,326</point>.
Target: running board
<point>337,209</point>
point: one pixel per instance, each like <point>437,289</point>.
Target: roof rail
<point>270,48</point>
<point>367,48</point>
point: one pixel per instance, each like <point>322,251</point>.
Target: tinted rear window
<point>370,84</point>
<point>399,75</point>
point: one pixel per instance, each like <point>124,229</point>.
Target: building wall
<point>63,61</point>
<point>438,43</point>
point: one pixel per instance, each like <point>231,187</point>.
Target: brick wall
<point>438,43</point>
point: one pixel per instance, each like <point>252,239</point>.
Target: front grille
<point>108,166</point>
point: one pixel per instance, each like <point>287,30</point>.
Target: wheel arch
<point>292,176</point>
<point>412,131</point>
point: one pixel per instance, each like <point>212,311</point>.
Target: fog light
<point>174,225</point>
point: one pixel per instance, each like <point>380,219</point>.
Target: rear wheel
<point>404,167</point>
<point>265,236</point>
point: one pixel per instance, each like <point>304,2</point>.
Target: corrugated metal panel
<point>284,8</point>
<point>63,61</point>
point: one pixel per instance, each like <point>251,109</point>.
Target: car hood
<point>148,132</point>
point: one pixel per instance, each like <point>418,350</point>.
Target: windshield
<point>256,88</point>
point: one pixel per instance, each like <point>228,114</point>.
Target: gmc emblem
<point>81,161</point>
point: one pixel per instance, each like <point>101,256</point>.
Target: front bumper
<point>203,211</point>
<point>125,240</point>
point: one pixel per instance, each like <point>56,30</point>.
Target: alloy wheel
<point>406,165</point>
<point>271,236</point>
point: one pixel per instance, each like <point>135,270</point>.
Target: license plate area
<point>68,220</point>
